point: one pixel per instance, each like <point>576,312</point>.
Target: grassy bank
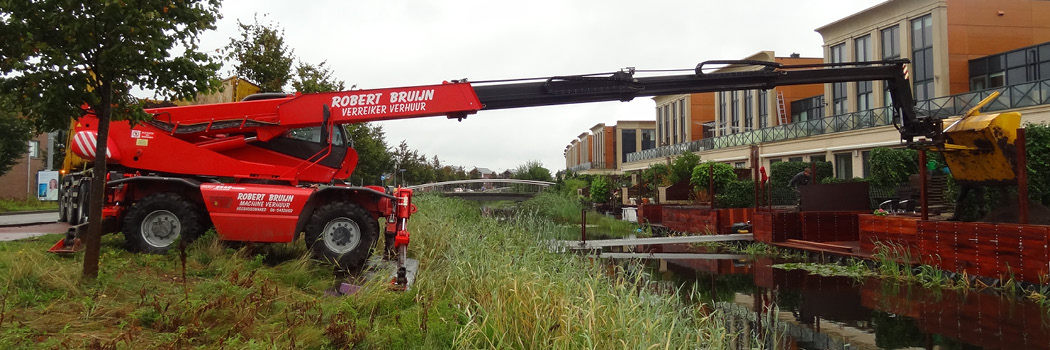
<point>17,205</point>
<point>481,284</point>
<point>566,210</point>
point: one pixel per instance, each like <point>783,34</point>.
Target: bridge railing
<point>485,185</point>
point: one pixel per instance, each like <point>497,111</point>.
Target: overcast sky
<point>391,43</point>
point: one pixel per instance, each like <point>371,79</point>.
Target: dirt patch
<point>1009,211</point>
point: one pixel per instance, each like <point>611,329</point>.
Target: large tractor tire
<point>63,201</point>
<point>342,233</point>
<point>157,222</point>
<point>79,214</point>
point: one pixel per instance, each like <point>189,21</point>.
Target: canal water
<point>797,310</point>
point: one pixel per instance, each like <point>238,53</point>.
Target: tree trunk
<point>93,240</point>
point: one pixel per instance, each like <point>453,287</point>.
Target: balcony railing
<point>581,167</point>
<point>1013,96</point>
<point>839,123</point>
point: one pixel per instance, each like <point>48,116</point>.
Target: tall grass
<point>567,210</point>
<point>481,284</point>
<point>516,294</point>
<point>8,205</point>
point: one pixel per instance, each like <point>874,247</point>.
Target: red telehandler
<point>264,169</point>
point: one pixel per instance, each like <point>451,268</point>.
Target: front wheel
<point>155,223</point>
<point>342,233</point>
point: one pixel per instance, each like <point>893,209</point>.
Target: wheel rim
<point>160,228</point>
<point>341,235</point>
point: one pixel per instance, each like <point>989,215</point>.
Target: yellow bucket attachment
<point>980,149</point>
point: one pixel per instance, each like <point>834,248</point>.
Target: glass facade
<point>648,139</point>
<point>838,90</point>
<point>922,57</point>
<point>629,143</point>
<point>807,109</point>
<point>763,108</point>
<point>862,53</point>
<point>1011,68</point>
<point>844,166</point>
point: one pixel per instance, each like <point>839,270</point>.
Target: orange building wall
<point>795,92</point>
<point>701,110</point>
<point>610,147</point>
<point>975,29</point>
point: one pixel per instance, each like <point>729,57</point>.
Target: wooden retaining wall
<point>978,249</point>
<point>776,226</point>
<point>702,220</point>
<point>894,232</point>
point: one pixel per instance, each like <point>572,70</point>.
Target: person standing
<point>800,179</point>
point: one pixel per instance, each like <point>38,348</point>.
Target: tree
<point>682,166</point>
<point>373,160</point>
<point>59,55</point>
<point>533,170</point>
<point>600,190</point>
<point>310,78</point>
<point>15,132</point>
<point>261,56</point>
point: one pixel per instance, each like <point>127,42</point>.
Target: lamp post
<point>402,177</point>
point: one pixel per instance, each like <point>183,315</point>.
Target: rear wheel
<point>342,233</point>
<point>157,222</point>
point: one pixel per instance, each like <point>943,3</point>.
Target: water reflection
<point>793,309</point>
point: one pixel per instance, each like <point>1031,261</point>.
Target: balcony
<point>1013,96</point>
<point>580,167</point>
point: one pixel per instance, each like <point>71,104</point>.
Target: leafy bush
<point>682,167</point>
<point>656,175</point>
<point>600,189</point>
<point>701,177</point>
<point>780,174</point>
<point>891,167</point>
<point>737,194</point>
<point>1037,145</point>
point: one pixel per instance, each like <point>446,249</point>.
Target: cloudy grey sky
<point>390,43</point>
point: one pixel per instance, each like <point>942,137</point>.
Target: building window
<point>807,108</point>
<point>667,126</point>
<point>922,56</point>
<point>844,166</point>
<point>795,159</point>
<point>671,111</point>
<point>721,123</point>
<point>34,149</point>
<point>749,113</point>
<point>763,108</point>
<point>891,49</point>
<point>774,161</point>
<point>738,165</point>
<point>862,53</point>
<point>865,162</point>
<point>735,107</point>
<point>818,158</point>
<point>648,139</point>
<point>838,90</point>
<point>1010,68</point>
<point>681,121</point>
<point>629,144</point>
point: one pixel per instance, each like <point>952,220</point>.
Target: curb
<point>28,212</point>
<point>21,224</point>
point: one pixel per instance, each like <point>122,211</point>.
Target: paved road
<point>31,218</point>
<point>19,226</point>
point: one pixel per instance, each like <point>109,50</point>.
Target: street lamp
<point>402,177</point>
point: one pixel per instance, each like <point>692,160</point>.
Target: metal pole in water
<point>583,225</point>
<point>1022,177</point>
<point>922,184</point>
